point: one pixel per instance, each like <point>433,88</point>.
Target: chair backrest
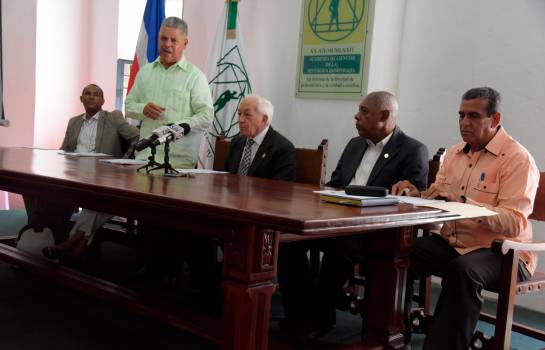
<point>539,203</point>
<point>434,164</point>
<point>310,163</point>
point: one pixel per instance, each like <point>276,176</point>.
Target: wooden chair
<point>220,153</point>
<point>509,287</point>
<point>424,285</point>
<point>311,164</point>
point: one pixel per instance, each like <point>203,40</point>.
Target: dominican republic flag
<point>229,82</point>
<point>147,47</point>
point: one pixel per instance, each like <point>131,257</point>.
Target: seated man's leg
<point>201,255</point>
<point>340,256</point>
<point>463,278</point>
<point>295,280</point>
<point>46,213</point>
<point>161,250</point>
<point>82,233</point>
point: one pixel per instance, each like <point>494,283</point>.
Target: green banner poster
<point>334,49</point>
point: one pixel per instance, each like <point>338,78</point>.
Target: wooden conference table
<point>251,215</point>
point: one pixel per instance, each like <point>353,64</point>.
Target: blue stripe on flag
<point>153,17</point>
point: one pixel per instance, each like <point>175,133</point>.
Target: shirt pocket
<point>486,192</point>
<point>176,105</point>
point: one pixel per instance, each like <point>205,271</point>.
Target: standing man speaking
<point>172,90</point>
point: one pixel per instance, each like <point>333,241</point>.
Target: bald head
<point>377,115</point>
<point>384,101</point>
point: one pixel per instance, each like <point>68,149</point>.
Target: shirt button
<point>463,187</point>
<point>470,165</point>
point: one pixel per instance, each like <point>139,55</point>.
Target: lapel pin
<point>386,155</point>
<point>263,155</point>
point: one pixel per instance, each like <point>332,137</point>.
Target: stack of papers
<point>465,210</point>
<point>83,154</point>
<point>125,161</point>
<point>200,171</point>
<point>341,197</point>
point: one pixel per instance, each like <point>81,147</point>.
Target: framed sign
<point>334,47</point>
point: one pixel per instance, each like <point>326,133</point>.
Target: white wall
<point>103,30</point>
<point>19,71</point>
<point>450,46</point>
<point>48,58</point>
<point>62,66</point>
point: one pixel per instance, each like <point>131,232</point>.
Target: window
<point>123,73</point>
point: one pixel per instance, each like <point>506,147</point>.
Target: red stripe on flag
<point>134,70</point>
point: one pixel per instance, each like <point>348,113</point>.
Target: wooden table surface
<point>249,214</point>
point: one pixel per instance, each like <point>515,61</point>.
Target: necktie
<point>246,159</point>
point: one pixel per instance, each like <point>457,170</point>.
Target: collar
<point>258,139</point>
<point>381,143</point>
<point>494,145</point>
<point>95,117</point>
<point>182,63</point>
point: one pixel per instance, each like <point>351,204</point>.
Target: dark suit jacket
<point>407,160</point>
<point>275,157</point>
<point>115,135</point>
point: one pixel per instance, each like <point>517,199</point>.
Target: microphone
<point>163,134</point>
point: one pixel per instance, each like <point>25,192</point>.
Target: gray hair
<point>485,93</point>
<point>264,106</point>
<point>175,22</point>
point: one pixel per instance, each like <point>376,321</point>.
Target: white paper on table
<point>124,161</point>
<point>83,154</point>
<point>201,171</point>
<point>417,201</point>
<point>465,210</point>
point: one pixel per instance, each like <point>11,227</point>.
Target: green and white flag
<point>228,80</point>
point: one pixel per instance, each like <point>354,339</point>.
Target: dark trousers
<point>166,250</point>
<point>49,213</point>
<point>303,302</point>
<point>463,278</point>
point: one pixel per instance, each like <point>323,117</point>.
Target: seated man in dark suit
<point>381,155</point>
<point>258,151</point>
<point>95,131</point>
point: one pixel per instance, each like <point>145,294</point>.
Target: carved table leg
<point>249,266</point>
<point>385,293</point>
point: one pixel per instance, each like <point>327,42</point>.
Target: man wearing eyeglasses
<point>488,169</point>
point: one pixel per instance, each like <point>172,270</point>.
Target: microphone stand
<point>169,170</point>
<point>151,161</point>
